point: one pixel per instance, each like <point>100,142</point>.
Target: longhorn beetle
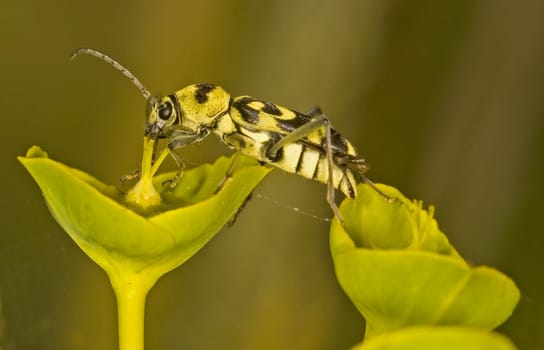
<point>303,144</point>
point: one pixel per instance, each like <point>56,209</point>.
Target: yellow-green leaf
<point>399,269</point>
<point>438,338</point>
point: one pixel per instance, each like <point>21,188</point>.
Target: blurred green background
<point>444,98</point>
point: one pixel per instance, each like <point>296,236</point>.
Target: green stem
<point>131,291</point>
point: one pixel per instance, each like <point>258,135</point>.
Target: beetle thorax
<point>201,105</point>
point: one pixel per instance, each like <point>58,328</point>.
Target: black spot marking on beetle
<point>292,124</point>
<point>271,108</point>
<point>339,144</point>
<point>249,114</point>
<point>202,90</point>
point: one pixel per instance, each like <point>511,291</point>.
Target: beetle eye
<point>165,111</point>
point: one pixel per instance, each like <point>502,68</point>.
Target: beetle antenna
<point>118,66</point>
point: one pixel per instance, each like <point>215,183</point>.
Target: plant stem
<point>131,291</point>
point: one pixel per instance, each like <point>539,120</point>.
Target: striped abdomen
<point>309,162</point>
<point>253,127</point>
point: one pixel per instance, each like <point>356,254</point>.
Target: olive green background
<point>444,98</point>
